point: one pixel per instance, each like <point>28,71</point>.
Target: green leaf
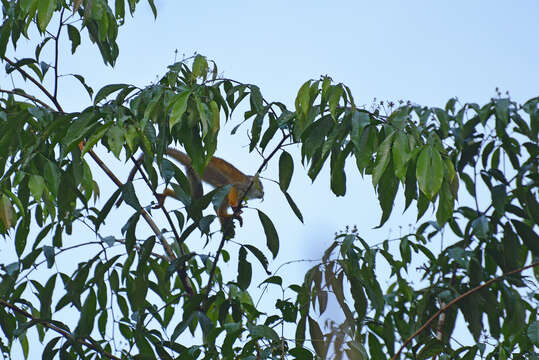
<point>375,348</point>
<point>154,9</point>
<point>382,158</point>
<point>119,7</point>
<point>5,35</point>
<point>286,169</point>
<point>107,90</point>
<point>387,191</point>
<point>130,196</point>
<point>300,353</point>
<point>528,236</point>
<point>262,331</point>
<point>533,332</point>
<point>205,323</point>
<point>244,269</point>
<point>429,171</point>
<point>294,207</point>
<point>21,235</point>
<point>272,239</point>
<point>317,338</point>
<point>338,176</point>
<point>431,349</point>
<point>401,155</point>
<point>259,255</point>
<point>52,176</point>
<point>48,251</point>
<point>87,315</point>
<point>200,66</point>
<point>74,37</point>
<point>256,128</point>
<point>95,138</point>
<point>6,211</point>
<point>36,184</point>
<point>115,139</point>
<point>48,351</point>
<point>356,351</point>
<point>499,198</point>
<point>106,208</point>
<point>502,110</point>
<point>180,328</point>
<point>45,9</point>
<point>480,227</point>
<point>445,204</point>
<point>335,93</point>
<point>179,107</point>
<point>273,280</point>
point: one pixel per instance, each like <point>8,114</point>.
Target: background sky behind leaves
<point>422,51</point>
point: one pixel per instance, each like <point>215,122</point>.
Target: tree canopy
<point>475,166</point>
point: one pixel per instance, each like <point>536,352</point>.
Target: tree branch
<point>456,300</point>
<point>29,97</point>
<point>37,83</point>
<point>56,41</point>
<point>61,331</point>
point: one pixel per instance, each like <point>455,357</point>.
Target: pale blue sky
<point>422,51</point>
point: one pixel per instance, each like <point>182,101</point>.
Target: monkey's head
<point>256,191</point>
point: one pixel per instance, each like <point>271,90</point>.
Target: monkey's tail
<point>179,156</point>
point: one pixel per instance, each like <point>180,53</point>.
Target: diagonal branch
<point>29,97</point>
<point>37,83</point>
<point>456,300</point>
<point>59,330</point>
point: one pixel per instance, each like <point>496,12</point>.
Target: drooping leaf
<point>429,171</point>
<point>48,251</point>
<point>74,37</point>
<point>244,269</point>
<point>272,239</point>
<point>130,196</point>
<point>6,211</point>
<point>382,158</point>
<point>107,90</point>
<point>286,169</point>
<point>528,236</point>
<point>45,10</point>
<point>179,107</point>
<point>262,331</point>
<point>294,207</point>
<point>317,338</point>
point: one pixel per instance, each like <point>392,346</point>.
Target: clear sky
<point>422,51</point>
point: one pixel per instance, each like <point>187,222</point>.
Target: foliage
<point>149,292</point>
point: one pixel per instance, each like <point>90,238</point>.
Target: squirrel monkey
<point>217,173</point>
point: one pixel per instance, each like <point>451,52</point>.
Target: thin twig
<point>37,83</point>
<point>61,331</point>
<point>456,300</point>
<point>56,41</point>
<point>29,97</point>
